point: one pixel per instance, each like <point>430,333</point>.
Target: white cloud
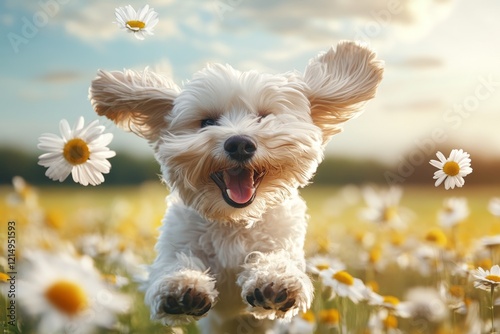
<point>59,77</point>
<point>312,24</point>
<point>324,21</point>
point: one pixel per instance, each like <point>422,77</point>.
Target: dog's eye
<point>208,122</point>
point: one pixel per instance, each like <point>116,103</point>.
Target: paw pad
<point>191,302</point>
<point>268,298</point>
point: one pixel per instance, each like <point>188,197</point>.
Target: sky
<point>441,85</point>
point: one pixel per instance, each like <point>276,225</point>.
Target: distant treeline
<point>128,170</point>
<point>125,169</point>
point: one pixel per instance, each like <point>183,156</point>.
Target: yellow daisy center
<point>391,300</point>
<point>54,220</point>
<point>343,277</point>
<point>436,236</point>
<point>390,322</point>
<point>373,286</point>
<point>451,168</point>
<point>3,277</point>
<point>329,316</point>
<point>67,297</point>
<point>397,239</point>
<point>493,278</point>
<point>448,209</point>
<point>322,266</point>
<point>308,316</point>
<point>76,151</point>
<point>136,25</point>
<point>110,278</point>
<point>324,245</point>
<point>375,255</point>
<point>456,291</point>
<point>484,263</point>
<point>389,213</point>
<point>359,236</point>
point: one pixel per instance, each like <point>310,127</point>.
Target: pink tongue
<point>239,182</point>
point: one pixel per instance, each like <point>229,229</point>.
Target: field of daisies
<point>383,259</point>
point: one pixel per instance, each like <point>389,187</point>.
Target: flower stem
<point>342,309</point>
<point>492,308</point>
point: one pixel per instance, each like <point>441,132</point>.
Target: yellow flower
<point>308,316</point>
<point>54,219</point>
<point>330,316</point>
<point>66,296</point>
<point>375,255</point>
<point>4,277</point>
<point>390,322</point>
<point>373,285</point>
<point>436,236</point>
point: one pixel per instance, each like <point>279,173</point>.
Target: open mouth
<point>238,185</point>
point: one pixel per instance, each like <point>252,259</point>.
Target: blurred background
<point>441,88</point>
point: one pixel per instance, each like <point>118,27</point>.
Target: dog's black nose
<point>240,148</point>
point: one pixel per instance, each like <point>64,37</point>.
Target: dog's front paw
<point>181,297</point>
<point>277,295</point>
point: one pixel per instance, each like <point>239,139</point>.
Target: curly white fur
<point>248,259</point>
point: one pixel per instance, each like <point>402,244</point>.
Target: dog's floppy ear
<point>135,101</point>
<point>339,83</point>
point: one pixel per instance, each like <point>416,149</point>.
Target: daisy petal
<point>65,130</point>
<point>441,156</point>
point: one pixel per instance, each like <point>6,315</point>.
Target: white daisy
<point>487,279</point>
<point>395,306</point>
<point>318,263</point>
<point>382,322</point>
<point>344,285</point>
<point>453,169</point>
<point>112,250</point>
<point>423,259</point>
<point>454,211</point>
<point>453,295</point>
<point>426,304</point>
<point>494,206</point>
<point>82,151</point>
<point>67,294</point>
<point>23,193</point>
<point>304,323</point>
<point>383,207</point>
<point>141,23</point>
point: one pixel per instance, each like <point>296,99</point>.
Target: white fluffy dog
<point>234,147</point>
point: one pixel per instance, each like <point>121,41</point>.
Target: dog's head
<point>231,143</point>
